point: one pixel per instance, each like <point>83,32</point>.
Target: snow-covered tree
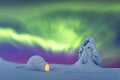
<point>88,53</point>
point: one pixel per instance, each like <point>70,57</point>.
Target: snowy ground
<point>8,71</point>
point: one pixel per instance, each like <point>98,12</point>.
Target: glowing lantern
<point>47,68</point>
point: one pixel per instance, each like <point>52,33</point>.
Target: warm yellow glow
<point>47,68</point>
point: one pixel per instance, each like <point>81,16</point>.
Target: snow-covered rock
<point>88,54</point>
<point>36,63</point>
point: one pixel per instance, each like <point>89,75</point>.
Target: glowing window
<point>47,68</point>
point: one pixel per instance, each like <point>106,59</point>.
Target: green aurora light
<point>55,26</point>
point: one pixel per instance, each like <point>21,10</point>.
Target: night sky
<point>55,30</point>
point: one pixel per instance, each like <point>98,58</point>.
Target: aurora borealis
<point>55,30</point>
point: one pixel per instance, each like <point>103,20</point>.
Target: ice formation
<point>36,63</point>
<point>88,54</point>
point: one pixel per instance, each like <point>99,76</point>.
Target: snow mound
<point>0,58</point>
<point>36,63</point>
<point>88,54</point>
